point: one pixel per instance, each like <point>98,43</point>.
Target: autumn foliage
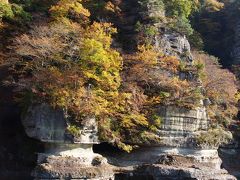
<point>72,66</point>
<point>220,87</point>
<point>70,63</point>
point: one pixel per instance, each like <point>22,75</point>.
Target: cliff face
<point>66,158</point>
<point>68,152</point>
<point>181,126</point>
<point>49,125</point>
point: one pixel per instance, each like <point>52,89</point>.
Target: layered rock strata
<point>181,126</point>
<point>176,157</point>
<point>68,155</point>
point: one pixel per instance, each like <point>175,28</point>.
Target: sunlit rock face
<point>67,154</point>
<point>174,44</point>
<point>236,48</point>
<point>50,125</point>
<point>181,126</point>
<point>178,132</point>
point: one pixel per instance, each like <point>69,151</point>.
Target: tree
<point>220,87</point>
<point>70,9</point>
<point>5,10</point>
<point>72,66</point>
<point>180,8</point>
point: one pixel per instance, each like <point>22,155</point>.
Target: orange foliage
<point>170,63</point>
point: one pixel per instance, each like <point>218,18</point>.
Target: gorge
<point>118,90</point>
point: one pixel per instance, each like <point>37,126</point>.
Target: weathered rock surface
<point>57,167</point>
<point>71,161</point>
<point>177,166</point>
<point>70,157</point>
<point>67,155</point>
<point>50,125</point>
<point>181,126</point>
<point>171,172</point>
<point>174,44</point>
<point>152,155</point>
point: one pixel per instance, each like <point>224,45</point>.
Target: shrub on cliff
<point>180,8</point>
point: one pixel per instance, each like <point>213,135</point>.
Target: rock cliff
<point>68,153</point>
<point>179,154</point>
<point>181,126</point>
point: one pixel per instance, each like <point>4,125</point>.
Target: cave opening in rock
<point>105,148</point>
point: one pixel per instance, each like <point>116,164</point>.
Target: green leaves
<point>180,8</point>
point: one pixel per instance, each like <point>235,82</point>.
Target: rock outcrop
<point>174,44</point>
<point>181,126</point>
<point>67,154</point>
<point>180,172</point>
<point>50,125</point>
<point>68,148</point>
<point>170,163</point>
<point>178,156</point>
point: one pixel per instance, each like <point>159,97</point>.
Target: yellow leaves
<point>72,9</point>
<point>101,63</point>
<point>237,96</point>
<point>55,71</point>
<point>154,100</point>
<point>60,97</point>
<point>179,84</point>
<point>111,7</point>
<point>92,51</point>
<point>101,32</point>
<point>134,120</point>
<point>214,5</point>
<point>127,148</point>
